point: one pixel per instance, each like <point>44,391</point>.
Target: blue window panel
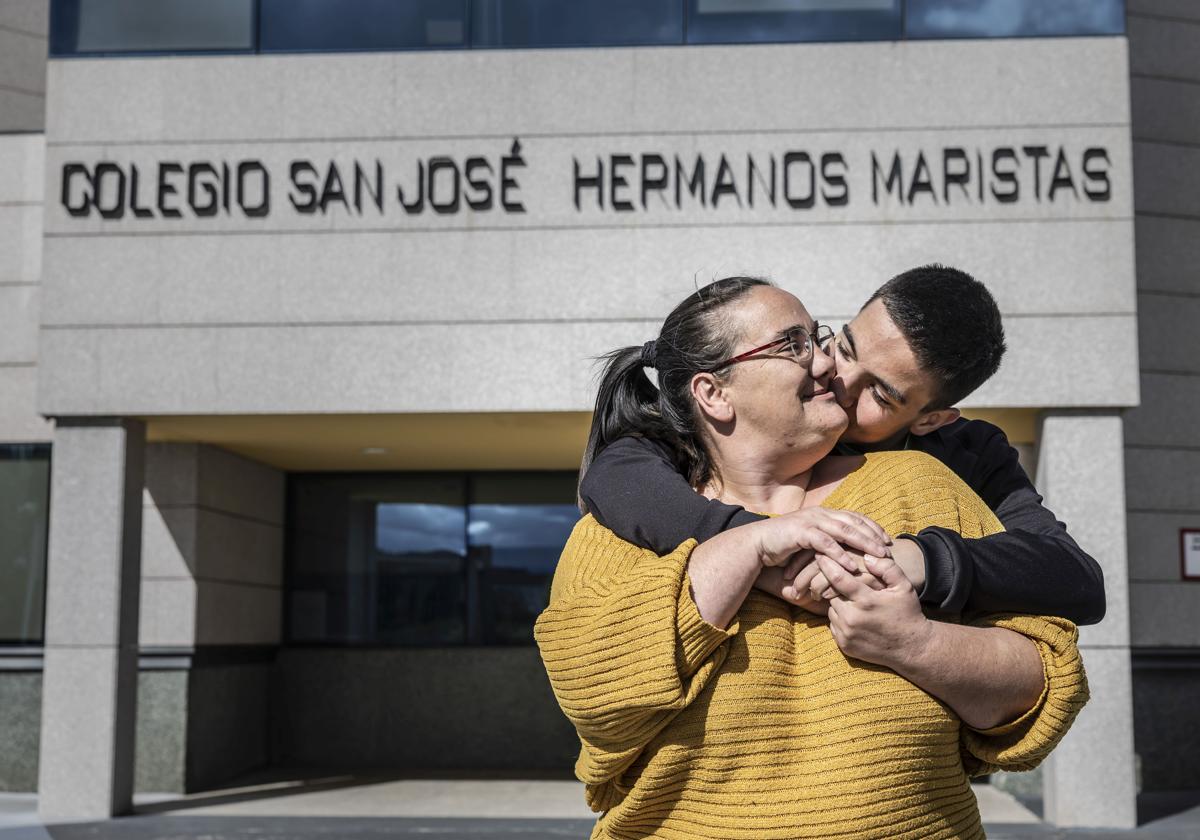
<point>24,516</point>
<point>417,574</point>
<point>575,23</point>
<point>83,27</point>
<point>515,549</point>
<point>770,21</point>
<point>517,526</point>
<point>377,559</point>
<point>424,559</point>
<point>349,25</point>
<point>1013,18</point>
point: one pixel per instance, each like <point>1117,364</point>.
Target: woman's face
<point>785,405</point>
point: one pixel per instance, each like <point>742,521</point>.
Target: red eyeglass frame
<point>820,334</point>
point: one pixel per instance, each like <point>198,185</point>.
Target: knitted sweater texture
<point>766,729</point>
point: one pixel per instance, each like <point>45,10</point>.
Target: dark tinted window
<point>762,21</point>
<point>132,26</point>
<point>1013,18</point>
<point>113,26</point>
<point>553,23</point>
<point>424,559</point>
<point>518,524</point>
<point>24,514</point>
<point>301,25</point>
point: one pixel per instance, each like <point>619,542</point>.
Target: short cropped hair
<point>953,325</point>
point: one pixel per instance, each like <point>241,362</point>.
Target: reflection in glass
<point>24,513</point>
<point>317,25</point>
<point>429,559</point>
<point>768,21</point>
<point>82,27</point>
<point>515,549</point>
<point>1013,18</point>
<point>553,23</point>
<point>99,26</point>
<point>416,574</point>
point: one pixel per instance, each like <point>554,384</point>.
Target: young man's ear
<point>710,398</point>
<point>933,420</point>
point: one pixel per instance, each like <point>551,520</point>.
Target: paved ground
<point>352,808</point>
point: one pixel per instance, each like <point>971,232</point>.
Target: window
<point>765,21</point>
<point>311,25</point>
<point>82,27</point>
<point>24,516</point>
<point>579,23</point>
<point>1013,18</point>
<point>423,559</point>
<point>91,27</point>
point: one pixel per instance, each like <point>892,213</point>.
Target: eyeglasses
<point>799,341</point>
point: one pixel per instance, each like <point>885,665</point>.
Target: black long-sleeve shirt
<point>1033,567</point>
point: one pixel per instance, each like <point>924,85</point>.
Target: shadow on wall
<point>419,710</point>
<point>219,697</point>
<point>212,555</point>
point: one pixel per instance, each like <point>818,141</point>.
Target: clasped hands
<point>843,565</point>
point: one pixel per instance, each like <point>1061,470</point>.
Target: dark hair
<point>695,337</point>
<point>952,324</point>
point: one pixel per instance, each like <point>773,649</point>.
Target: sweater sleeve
<point>1021,744</point>
<point>625,649</point>
<point>1035,567</point>
<point>633,476</point>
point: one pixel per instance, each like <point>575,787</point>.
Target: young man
<point>924,341</point>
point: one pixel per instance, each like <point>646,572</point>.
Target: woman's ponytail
<point>626,402</point>
<point>695,337</point>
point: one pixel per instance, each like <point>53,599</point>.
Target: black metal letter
<point>419,204</point>
<point>117,210</point>
<point>724,184</point>
<point>595,182</point>
<point>301,188</point>
<point>616,181</point>
<point>512,160</point>
<point>753,174</point>
<point>445,207</point>
<point>695,184</point>
<point>1007,176</point>
<point>165,189</point>
<point>69,171</point>
<point>922,181</point>
<point>362,184</point>
<point>139,212</point>
<point>1062,176</point>
<point>1037,153</point>
<point>333,189</point>
<point>482,185</point>
<point>1099,176</point>
<point>960,175</point>
<point>264,207</point>
<point>195,185</point>
<point>835,179</point>
<point>895,178</point>
<point>805,201</point>
<point>658,182</point>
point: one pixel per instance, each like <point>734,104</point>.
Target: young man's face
<point>879,382</point>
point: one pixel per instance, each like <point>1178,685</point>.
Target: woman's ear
<point>710,397</point>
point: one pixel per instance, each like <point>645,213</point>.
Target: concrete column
<point>89,689</point>
<point>1090,779</point>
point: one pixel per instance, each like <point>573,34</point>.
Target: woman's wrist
<point>722,572</point>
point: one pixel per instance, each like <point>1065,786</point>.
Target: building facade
<point>300,312</point>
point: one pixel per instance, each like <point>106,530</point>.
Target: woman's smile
<point>818,393</point>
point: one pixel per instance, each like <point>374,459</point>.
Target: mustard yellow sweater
<point>766,730</point>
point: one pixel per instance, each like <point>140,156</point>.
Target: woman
<point>706,709</point>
